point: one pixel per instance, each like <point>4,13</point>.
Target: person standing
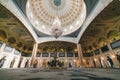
<point>110,61</point>
<point>118,58</point>
<point>2,61</point>
<point>100,61</point>
<point>70,65</point>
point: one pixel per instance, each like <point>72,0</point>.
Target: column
<point>74,59</point>
<point>22,65</point>
<point>17,61</point>
<point>96,59</point>
<point>49,56</point>
<point>1,49</point>
<point>66,59</point>
<point>57,53</point>
<point>112,55</point>
<point>40,58</point>
<point>91,62</point>
<point>33,57</point>
<point>80,54</point>
<point>38,64</point>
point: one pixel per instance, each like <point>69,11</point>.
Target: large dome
<point>42,13</point>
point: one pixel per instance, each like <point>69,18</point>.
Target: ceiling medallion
<point>57,2</point>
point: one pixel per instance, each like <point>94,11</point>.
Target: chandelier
<point>56,29</point>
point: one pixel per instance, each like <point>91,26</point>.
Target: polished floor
<point>69,74</point>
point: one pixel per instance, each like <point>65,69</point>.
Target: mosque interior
<point>80,33</point>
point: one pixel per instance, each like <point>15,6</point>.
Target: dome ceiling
<point>42,13</point>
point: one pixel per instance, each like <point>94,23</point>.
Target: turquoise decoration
<point>57,2</point>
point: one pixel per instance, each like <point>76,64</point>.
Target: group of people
<point>109,60</point>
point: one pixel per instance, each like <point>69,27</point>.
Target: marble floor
<point>69,74</point>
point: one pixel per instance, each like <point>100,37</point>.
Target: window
<point>97,52</point>
<point>8,49</point>
<point>69,54</point>
<point>115,44</point>
<point>38,54</point>
<point>87,54</point>
<point>45,55</point>
<point>16,52</point>
<point>26,54</point>
<point>52,54</point>
<point>104,48</point>
<point>61,54</point>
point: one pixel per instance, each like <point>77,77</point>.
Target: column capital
<point>79,44</point>
<point>108,41</point>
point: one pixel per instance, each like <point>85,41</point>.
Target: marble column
<point>22,65</point>
<point>49,56</point>
<point>2,49</point>
<point>66,59</point>
<point>91,62</point>
<point>33,57</point>
<point>80,55</point>
<point>74,59</point>
<point>95,60</point>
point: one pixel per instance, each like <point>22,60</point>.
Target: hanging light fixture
<point>56,29</point>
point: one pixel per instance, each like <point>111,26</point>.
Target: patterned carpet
<point>69,74</point>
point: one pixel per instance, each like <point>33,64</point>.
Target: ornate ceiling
<point>42,13</point>
<point>12,31</point>
<point>57,46</point>
<point>106,26</point>
<point>17,31</point>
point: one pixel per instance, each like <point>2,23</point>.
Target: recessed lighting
<point>36,22</point>
<point>77,22</point>
<point>43,27</point>
<point>71,27</point>
<point>64,30</point>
